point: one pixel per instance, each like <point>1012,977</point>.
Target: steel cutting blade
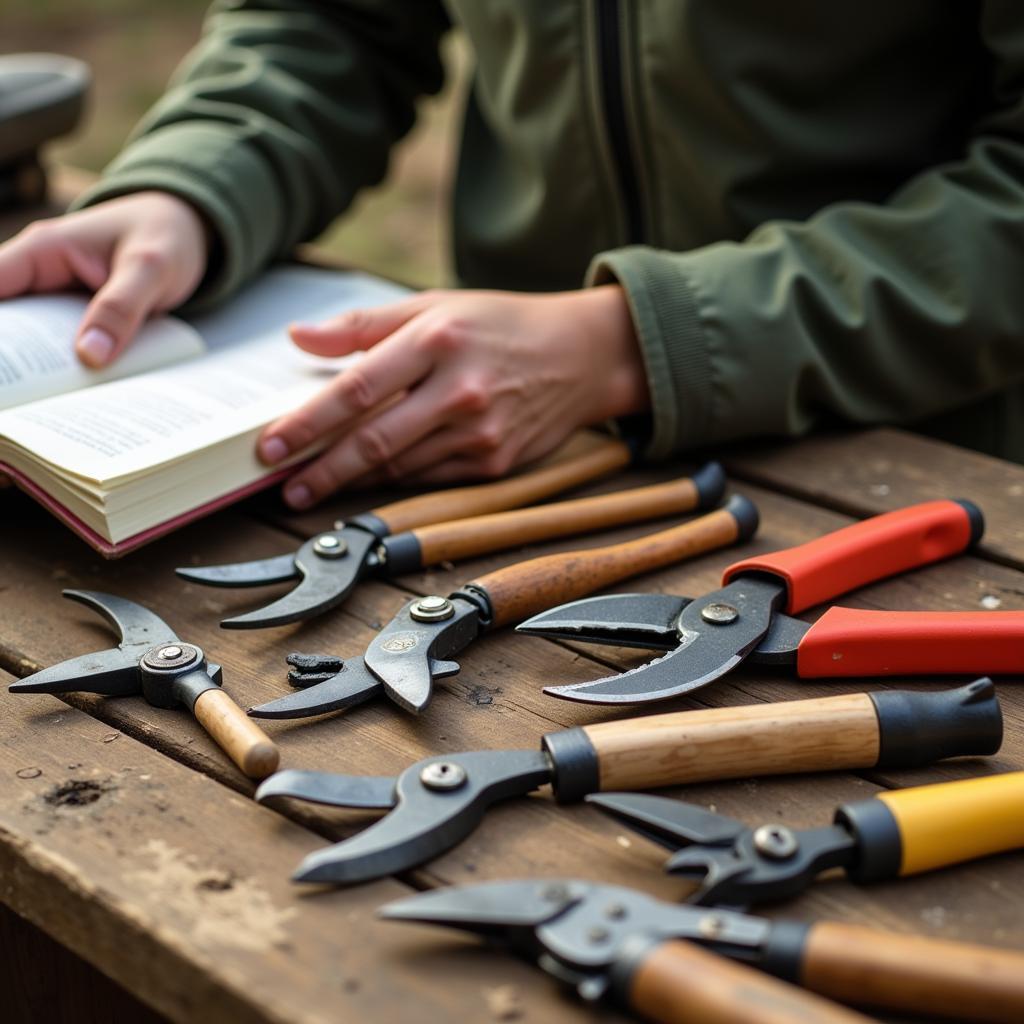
<point>430,815</point>
<point>258,573</point>
<point>353,685</point>
<point>624,620</point>
<point>667,822</point>
<point>708,647</point>
<point>324,581</point>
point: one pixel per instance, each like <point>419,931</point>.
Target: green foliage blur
<point>398,230</point>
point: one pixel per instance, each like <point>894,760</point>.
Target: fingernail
<point>298,496</point>
<point>96,346</point>
<point>273,449</point>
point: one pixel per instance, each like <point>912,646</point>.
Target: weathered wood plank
<point>178,889</point>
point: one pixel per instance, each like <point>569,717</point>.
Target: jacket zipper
<point>609,42</point>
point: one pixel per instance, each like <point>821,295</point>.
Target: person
<point>733,218</point>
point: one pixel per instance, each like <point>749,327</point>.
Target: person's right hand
<point>141,254</point>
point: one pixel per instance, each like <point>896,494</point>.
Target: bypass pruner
<point>679,963</point>
<point>893,834</point>
<point>706,637</point>
<point>416,646</point>
<point>438,801</point>
<point>411,534</point>
<point>151,660</point>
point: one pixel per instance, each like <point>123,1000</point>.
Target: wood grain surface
<point>953,981</point>
<point>519,591</point>
<point>459,539</point>
<point>815,735</point>
<point>678,983</point>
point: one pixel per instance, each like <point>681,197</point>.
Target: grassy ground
<point>398,229</point>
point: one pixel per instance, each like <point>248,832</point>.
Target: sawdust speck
<point>503,1002</point>
<point>222,908</point>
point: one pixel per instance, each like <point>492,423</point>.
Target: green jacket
<point>816,209</point>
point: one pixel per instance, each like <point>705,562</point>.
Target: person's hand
<point>457,385</point>
<point>141,254</point>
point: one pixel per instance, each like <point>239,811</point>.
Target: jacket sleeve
<point>284,110</point>
<point>865,313</point>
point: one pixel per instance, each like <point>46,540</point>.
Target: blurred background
<point>398,230</point>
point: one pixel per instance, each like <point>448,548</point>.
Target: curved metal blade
<point>706,649</point>
<point>623,620</point>
<point>354,684</point>
<point>325,582</point>
<point>372,792</point>
<point>481,908</point>
<point>113,673</point>
<point>667,822</point>
<point>427,821</point>
<point>136,625</point>
<point>258,573</point>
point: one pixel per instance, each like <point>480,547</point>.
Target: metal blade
<point>670,823</point>
<point>770,863</point>
<point>373,792</point>
<point>408,653</point>
<point>779,647</point>
<point>707,648</point>
<point>326,580</point>
<point>567,915</point>
<point>354,684</point>
<point>136,625</point>
<point>439,801</point>
<point>113,673</point>
<point>483,907</point>
<point>622,620</point>
<point>261,572</point>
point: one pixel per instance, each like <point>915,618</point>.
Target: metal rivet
<point>598,934</point>
<point>432,609</point>
<point>776,841</point>
<point>616,912</point>
<point>329,546</point>
<point>718,613</point>
<point>443,775</point>
<point>171,656</point>
<point>711,926</point>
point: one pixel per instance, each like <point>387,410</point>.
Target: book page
<point>37,355</point>
<point>251,374</point>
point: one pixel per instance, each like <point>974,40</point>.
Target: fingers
<point>358,328</point>
<point>372,443</point>
<point>134,289</point>
<point>41,258</point>
<point>396,364</point>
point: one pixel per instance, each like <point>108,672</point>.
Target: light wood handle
<point>463,538</point>
<point>598,458</point>
<point>932,977</point>
<point>519,591</point>
<point>236,734</point>
<point>822,734</point>
<point>679,983</point>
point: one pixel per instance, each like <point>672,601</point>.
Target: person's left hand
<point>460,385</point>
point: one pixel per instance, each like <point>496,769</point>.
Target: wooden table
<point>127,837</point>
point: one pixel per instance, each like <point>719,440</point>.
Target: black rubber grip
<point>879,843</point>
<point>710,483</point>
<point>975,517</point>
<point>916,729</point>
<point>747,517</point>
<point>402,553</point>
<point>577,770</point>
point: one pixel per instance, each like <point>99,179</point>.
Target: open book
<point>168,433</point>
